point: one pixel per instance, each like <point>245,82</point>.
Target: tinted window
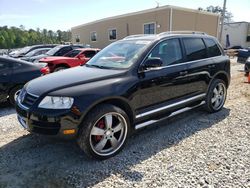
<point>169,51</point>
<point>63,51</point>
<point>212,47</point>
<point>89,54</point>
<point>195,48</point>
<point>73,53</point>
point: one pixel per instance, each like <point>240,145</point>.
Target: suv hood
<point>70,77</point>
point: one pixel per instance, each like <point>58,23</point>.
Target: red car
<point>73,58</point>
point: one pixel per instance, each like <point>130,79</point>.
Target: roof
<point>147,11</point>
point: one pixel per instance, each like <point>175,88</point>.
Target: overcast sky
<point>64,14</point>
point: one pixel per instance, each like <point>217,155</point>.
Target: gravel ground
<point>194,149</point>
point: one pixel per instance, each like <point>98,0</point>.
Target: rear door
<point>5,75</point>
<point>198,64</point>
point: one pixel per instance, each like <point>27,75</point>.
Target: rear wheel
<point>14,94</point>
<point>104,132</point>
<point>216,96</point>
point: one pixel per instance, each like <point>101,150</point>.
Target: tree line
<point>17,37</point>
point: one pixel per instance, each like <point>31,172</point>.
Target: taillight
<point>45,70</point>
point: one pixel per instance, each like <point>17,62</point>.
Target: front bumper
<point>48,122</point>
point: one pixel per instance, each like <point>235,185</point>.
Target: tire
<point>216,96</point>
<point>104,132</point>
<point>59,69</point>
<point>14,93</point>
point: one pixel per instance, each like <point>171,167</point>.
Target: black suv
<point>128,85</point>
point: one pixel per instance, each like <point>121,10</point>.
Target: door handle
<point>211,66</point>
<point>183,73</point>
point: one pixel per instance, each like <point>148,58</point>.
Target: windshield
<point>119,55</point>
<point>24,50</point>
<point>53,50</point>
<point>72,53</point>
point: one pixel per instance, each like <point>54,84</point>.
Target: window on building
<point>212,48</point>
<point>195,49</point>
<point>77,38</point>
<point>149,28</point>
<point>112,34</point>
<point>93,36</point>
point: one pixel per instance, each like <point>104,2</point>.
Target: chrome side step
<point>147,123</point>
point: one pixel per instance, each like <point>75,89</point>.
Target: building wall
<point>237,32</point>
<point>132,24</point>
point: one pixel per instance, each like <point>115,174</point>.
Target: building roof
<point>147,11</point>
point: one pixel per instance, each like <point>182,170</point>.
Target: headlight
<point>51,102</point>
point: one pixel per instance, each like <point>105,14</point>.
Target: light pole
<point>222,20</point>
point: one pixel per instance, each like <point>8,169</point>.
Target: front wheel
<point>104,132</point>
<point>216,96</point>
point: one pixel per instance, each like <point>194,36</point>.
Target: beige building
<point>101,33</point>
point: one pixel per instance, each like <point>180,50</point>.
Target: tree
<point>218,10</point>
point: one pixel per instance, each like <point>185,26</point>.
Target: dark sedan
<point>14,74</point>
<point>59,50</point>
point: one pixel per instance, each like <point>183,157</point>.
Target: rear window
<point>195,49</point>
<point>212,47</point>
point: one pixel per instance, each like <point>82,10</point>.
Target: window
<point>72,53</point>
<point>213,49</point>
<point>112,34</point>
<point>93,36</point>
<point>149,28</point>
<point>169,51</point>
<point>89,54</point>
<point>63,51</point>
<point>195,48</point>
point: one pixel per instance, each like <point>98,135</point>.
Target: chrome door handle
<point>183,73</point>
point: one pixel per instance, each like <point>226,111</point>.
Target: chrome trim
<point>170,106</point>
<point>32,94</point>
<point>21,105</point>
<point>150,122</point>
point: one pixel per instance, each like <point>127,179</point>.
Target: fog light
<point>69,131</point>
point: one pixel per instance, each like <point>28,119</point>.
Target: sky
<point>64,14</point>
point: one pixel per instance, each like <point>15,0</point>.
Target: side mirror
<point>152,63</point>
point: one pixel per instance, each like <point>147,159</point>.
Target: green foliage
<point>15,37</point>
<point>218,10</point>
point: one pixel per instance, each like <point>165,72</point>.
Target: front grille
<point>28,99</point>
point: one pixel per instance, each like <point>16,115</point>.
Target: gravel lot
<point>194,149</point>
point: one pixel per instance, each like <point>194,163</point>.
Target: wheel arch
<point>223,76</point>
<point>116,101</point>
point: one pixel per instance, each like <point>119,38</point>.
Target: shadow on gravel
<point>38,161</point>
<point>6,109</point>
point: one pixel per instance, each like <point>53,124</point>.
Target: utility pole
<point>222,19</point>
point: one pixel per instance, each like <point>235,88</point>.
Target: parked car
<point>23,51</point>
<point>14,74</point>
<point>59,50</point>
<point>35,52</point>
<point>73,58</point>
<point>247,67</point>
<point>243,54</point>
<point>128,85</point>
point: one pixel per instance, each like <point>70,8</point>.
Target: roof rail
<point>139,35</point>
<point>183,32</point>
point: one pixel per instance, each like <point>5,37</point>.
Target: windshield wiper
<point>98,66</point>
